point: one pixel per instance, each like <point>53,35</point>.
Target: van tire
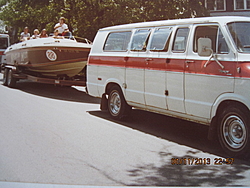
<point>5,77</point>
<point>11,81</point>
<point>233,131</point>
<point>117,106</point>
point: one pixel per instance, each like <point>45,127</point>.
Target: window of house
<point>220,5</point>
<point>215,5</point>
<point>212,32</point>
<point>140,40</point>
<point>180,41</point>
<point>241,4</point>
<point>248,4</point>
<point>210,5</point>
<point>160,39</point>
<point>117,41</point>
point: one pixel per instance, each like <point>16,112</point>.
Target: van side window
<point>160,39</point>
<point>222,47</point>
<point>140,40</point>
<point>213,32</point>
<point>180,41</point>
<point>117,41</point>
<point>209,31</point>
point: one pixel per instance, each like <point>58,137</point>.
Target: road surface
<point>58,135</point>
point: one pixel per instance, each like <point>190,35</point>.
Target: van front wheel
<point>234,131</point>
<point>117,106</point>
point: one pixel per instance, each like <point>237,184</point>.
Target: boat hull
<point>52,60</point>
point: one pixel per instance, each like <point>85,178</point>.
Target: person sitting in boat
<point>56,35</point>
<point>25,35</point>
<point>36,34</point>
<point>44,34</point>
<point>63,28</point>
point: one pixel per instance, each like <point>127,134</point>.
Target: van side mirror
<point>205,47</point>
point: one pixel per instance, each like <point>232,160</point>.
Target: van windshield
<point>240,34</point>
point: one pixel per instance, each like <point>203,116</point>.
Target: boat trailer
<point>11,77</point>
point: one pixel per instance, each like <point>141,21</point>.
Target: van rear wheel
<point>117,106</point>
<point>234,131</point>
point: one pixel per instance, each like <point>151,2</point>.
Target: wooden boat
<point>49,57</point>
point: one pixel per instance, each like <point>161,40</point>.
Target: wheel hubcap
<point>115,103</point>
<point>234,132</point>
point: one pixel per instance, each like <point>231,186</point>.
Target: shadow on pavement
<point>169,128</point>
<point>56,92</point>
<point>189,175</point>
<point>184,133</point>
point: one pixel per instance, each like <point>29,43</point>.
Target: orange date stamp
<point>202,161</point>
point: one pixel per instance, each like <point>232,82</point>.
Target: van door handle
<point>189,61</point>
<point>148,59</point>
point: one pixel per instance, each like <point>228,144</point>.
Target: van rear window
<point>117,41</point>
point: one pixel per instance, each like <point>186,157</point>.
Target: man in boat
<point>62,28</point>
<point>25,35</point>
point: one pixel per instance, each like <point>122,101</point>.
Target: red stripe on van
<point>175,65</point>
<point>107,61</point>
<point>243,70</point>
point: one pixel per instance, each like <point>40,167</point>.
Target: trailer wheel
<point>11,81</point>
<point>117,106</point>
<point>5,76</point>
<point>233,131</point>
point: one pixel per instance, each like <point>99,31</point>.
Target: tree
<point>86,17</point>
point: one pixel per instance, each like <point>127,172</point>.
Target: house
<point>228,7</point>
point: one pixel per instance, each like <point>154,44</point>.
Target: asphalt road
<point>58,135</point>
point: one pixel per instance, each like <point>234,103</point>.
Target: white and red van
<point>196,69</point>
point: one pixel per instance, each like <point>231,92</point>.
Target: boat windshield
<point>240,33</point>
